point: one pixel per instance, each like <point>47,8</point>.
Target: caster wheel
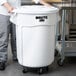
<point>2,66</point>
<point>56,52</point>
<point>60,62</point>
<point>25,70</point>
<point>40,71</point>
<point>47,69</point>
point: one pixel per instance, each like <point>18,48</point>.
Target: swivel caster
<point>56,52</point>
<point>60,62</point>
<point>40,71</point>
<point>45,69</point>
<point>25,70</point>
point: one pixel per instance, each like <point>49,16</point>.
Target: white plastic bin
<point>35,32</point>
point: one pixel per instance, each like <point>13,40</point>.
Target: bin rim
<point>35,9</point>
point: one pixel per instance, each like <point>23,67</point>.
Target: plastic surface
<point>35,15</point>
<point>35,32</point>
<point>36,9</point>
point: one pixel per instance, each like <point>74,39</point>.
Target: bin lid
<point>36,9</point>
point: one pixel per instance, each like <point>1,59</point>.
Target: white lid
<point>36,9</point>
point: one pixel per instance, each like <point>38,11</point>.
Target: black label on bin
<point>41,18</point>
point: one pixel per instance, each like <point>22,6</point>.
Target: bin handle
<point>13,17</point>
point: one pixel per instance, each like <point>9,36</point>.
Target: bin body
<point>35,33</point>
